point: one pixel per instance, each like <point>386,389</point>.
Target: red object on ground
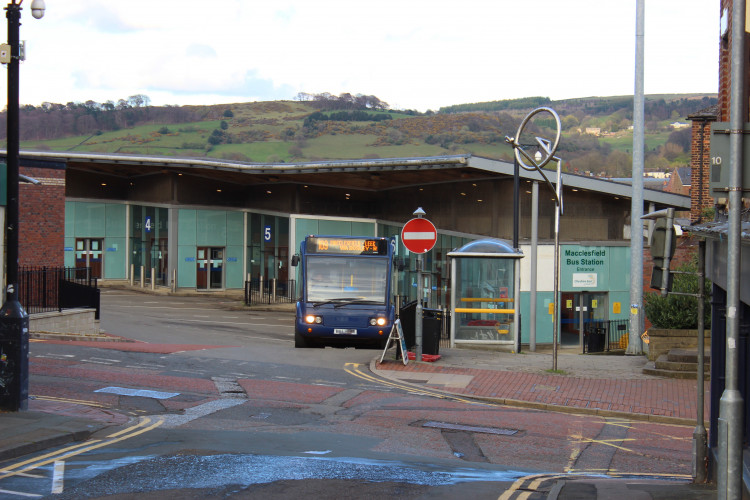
<point>428,358</point>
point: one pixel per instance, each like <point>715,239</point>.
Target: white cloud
<point>414,54</point>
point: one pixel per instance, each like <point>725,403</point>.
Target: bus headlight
<point>380,321</point>
<point>310,319</point>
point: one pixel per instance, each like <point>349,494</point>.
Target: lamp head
<point>37,9</point>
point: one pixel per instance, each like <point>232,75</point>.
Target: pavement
<point>603,385</point>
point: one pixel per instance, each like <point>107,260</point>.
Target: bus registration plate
<point>345,331</point>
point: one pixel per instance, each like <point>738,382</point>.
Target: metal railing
<point>601,336</point>
<point>47,289</point>
<point>271,291</point>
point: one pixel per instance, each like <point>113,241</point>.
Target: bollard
<point>143,277</point>
<point>153,279</point>
<point>132,273</point>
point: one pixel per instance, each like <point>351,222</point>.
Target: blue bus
<point>345,285</point>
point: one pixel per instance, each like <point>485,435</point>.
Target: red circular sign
<point>419,235</point>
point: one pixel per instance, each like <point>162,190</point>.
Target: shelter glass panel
<point>484,299</point>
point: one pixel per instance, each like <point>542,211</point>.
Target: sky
<point>412,54</point>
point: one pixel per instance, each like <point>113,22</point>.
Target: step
<point>688,355</point>
<point>665,362</point>
<point>650,369</point>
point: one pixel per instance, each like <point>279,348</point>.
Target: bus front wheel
<point>300,341</point>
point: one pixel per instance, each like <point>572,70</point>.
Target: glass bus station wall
<point>105,221</point>
<point>210,229</point>
<point>259,244</point>
<point>149,237</point>
<point>268,247</point>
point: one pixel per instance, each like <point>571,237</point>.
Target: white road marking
<point>200,411</point>
<point>58,473</point>
<point>125,391</point>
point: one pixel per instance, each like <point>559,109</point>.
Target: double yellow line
<point>144,425</point>
<point>355,369</point>
<point>93,404</point>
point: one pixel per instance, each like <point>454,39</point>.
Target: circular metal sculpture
<point>546,151</point>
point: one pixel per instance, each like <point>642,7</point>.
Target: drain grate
<point>470,428</point>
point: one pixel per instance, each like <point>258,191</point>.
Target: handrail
<point>479,299</point>
<point>487,311</point>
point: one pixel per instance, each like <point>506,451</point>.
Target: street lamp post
<point>14,322</point>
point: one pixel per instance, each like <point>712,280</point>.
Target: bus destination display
<point>351,246</point>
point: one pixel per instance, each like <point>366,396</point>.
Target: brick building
<point>41,213</point>
<point>700,162</point>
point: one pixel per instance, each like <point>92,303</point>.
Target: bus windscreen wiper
<point>339,301</point>
<point>358,301</point>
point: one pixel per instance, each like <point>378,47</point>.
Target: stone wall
<point>70,321</point>
<point>662,340</point>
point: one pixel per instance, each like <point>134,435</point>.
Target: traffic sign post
<point>419,236</point>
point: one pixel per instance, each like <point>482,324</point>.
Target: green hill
<point>339,128</point>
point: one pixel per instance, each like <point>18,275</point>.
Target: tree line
<point>346,116</point>
<point>52,120</point>
<point>345,101</point>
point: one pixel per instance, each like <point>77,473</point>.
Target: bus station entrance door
<point>577,311</point>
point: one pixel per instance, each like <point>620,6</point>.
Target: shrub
<point>679,311</point>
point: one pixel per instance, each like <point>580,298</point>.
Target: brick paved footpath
<point>659,399</point>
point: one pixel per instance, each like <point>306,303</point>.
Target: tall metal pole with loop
<point>546,152</point>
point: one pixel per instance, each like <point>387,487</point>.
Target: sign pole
<point>419,236</point>
<point>419,314</point>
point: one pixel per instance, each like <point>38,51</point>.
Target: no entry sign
<point>419,235</point>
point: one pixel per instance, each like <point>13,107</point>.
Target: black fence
<point>271,291</point>
<point>46,289</point>
<point>601,336</point>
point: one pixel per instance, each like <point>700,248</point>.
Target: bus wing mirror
<point>295,260</point>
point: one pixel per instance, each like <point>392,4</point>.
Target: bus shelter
<point>486,284</point>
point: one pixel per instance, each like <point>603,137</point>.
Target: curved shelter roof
<point>488,247</point>
<point>367,175</point>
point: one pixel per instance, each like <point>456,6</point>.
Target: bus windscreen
<point>330,278</point>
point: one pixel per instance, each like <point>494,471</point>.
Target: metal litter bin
<point>596,340</point>
<point>432,322</point>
